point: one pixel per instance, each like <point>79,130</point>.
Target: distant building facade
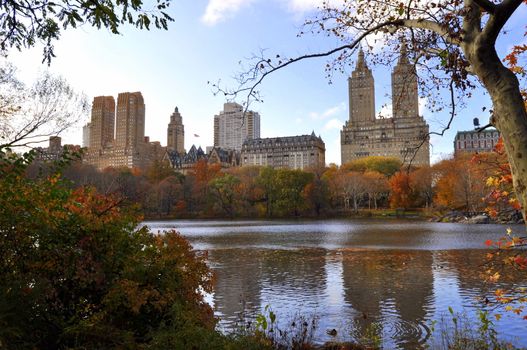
<point>475,141</point>
<point>404,136</point>
<point>232,126</point>
<point>54,151</point>
<point>129,148</point>
<point>293,152</point>
<point>102,122</point>
<point>86,131</point>
<point>176,133</point>
<point>184,162</point>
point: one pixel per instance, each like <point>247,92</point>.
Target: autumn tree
<point>422,180</point>
<point>200,176</point>
<point>383,165</point>
<point>354,187</point>
<point>78,271</point>
<point>332,178</point>
<point>500,197</point>
<point>453,41</point>
<point>376,187</point>
<point>249,193</point>
<point>402,194</point>
<point>460,184</point>
<point>316,193</point>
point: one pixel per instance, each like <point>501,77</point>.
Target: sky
<point>206,43</point>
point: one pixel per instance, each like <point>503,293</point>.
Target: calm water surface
<point>347,274</point>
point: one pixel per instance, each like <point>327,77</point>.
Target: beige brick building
<point>293,152</point>
<point>232,126</point>
<point>176,133</point>
<point>130,148</point>
<point>404,136</point>
<point>102,122</point>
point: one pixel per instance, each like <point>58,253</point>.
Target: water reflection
<point>403,275</point>
<point>392,288</point>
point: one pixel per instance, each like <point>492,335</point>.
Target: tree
<point>376,187</point>
<point>77,270</point>
<point>354,187</point>
<point>460,184</point>
<point>290,185</point>
<point>249,193</point>
<point>202,173</point>
<point>24,23</point>
<point>454,41</point>
<point>401,191</point>
<point>316,193</point>
<point>267,182</point>
<point>332,179</point>
<point>384,165</point>
<point>422,180</point>
<point>223,190</point>
<point>30,114</point>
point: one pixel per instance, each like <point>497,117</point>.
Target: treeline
<point>459,183</point>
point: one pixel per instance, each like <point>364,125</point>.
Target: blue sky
<point>205,43</point>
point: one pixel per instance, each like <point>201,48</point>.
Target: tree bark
<point>510,116</point>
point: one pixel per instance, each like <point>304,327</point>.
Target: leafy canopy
<point>23,23</point>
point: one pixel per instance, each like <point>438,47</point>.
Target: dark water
<point>402,274</point>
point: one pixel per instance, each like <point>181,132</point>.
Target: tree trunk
<point>510,116</point>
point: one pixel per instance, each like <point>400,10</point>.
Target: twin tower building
<point>403,136</point>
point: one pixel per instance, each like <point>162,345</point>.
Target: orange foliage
<point>401,195</point>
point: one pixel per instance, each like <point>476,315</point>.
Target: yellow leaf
<point>498,316</point>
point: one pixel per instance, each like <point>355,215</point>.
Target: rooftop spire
<point>403,55</point>
<point>361,62</point>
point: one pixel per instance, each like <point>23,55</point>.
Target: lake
<point>347,274</point>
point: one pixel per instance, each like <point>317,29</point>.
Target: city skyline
<point>172,69</point>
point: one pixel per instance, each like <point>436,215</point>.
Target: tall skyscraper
<point>404,136</point>
<point>361,92</point>
<point>102,122</point>
<point>405,98</point>
<point>130,128</point>
<point>176,133</point>
<point>130,148</point>
<point>232,126</point>
<point>86,130</point>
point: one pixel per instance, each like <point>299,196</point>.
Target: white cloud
<point>330,112</point>
<point>301,6</point>
<point>333,124</point>
<point>220,10</point>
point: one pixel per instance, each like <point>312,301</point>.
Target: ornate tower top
<point>361,63</point>
<point>403,55</point>
<point>361,92</point>
<point>405,99</point>
<point>176,133</point>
